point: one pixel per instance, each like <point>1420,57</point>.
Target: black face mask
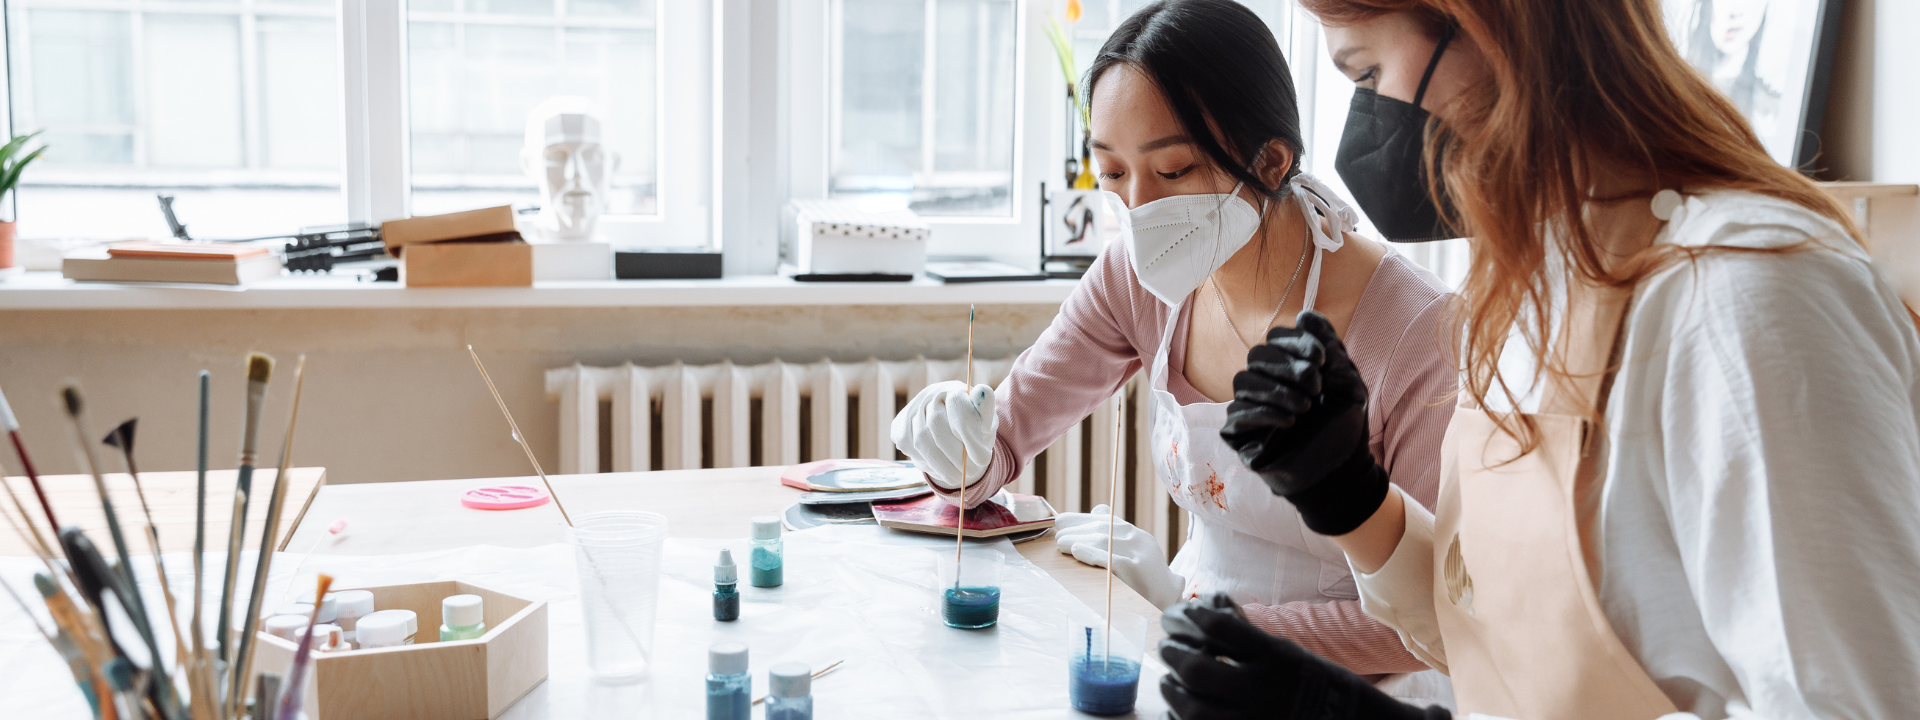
<point>1381,159</point>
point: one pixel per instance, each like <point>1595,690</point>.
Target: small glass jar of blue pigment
<point>1103,662</point>
<point>769,553</point>
<point>726,592</point>
<point>790,692</point>
<point>729,685</point>
<point>969,588</point>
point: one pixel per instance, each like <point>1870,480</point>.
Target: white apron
<point>1246,541</point>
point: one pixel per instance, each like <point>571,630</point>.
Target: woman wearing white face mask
<point>1228,239</point>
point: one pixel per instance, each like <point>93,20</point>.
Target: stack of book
<point>141,261</point>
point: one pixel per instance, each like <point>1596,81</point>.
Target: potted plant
<point>13,160</point>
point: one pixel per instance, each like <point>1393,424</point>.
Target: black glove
<point>1224,668</point>
<point>1299,420</point>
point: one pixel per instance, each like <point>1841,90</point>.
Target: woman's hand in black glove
<point>1224,668</point>
<point>1299,420</point>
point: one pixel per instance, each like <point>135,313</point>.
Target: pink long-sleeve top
<point>1110,327</point>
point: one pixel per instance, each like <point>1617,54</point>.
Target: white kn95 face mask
<point>1175,242</point>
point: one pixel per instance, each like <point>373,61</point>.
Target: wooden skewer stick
<point>1113,508</point>
<point>816,675</point>
<point>632,636</point>
<point>520,438</point>
<point>960,527</point>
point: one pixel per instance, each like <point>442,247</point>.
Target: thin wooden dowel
<point>960,528</point>
<point>1113,508</point>
<point>520,438</point>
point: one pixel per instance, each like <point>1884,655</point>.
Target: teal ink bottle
<point>729,685</point>
<point>790,692</point>
<point>769,552</point>
<point>726,593</point>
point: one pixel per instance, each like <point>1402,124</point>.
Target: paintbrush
<point>243,662</point>
<point>91,640</point>
<point>12,425</point>
<point>203,708</point>
<point>62,641</point>
<point>122,438</point>
<point>297,673</point>
<point>259,369</point>
<point>107,590</point>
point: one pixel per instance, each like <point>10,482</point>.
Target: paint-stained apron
<point>1516,562</point>
<point>1244,540</point>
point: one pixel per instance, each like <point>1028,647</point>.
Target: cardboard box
<point>454,680</point>
<point>468,264</point>
<point>485,224</point>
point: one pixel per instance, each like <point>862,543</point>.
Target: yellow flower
<point>1073,10</point>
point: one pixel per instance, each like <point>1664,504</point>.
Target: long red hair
<point>1576,84</point>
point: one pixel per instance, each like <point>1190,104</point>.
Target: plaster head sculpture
<point>564,154</point>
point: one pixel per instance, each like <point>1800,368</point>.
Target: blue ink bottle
<point>769,552</point>
<point>729,685</point>
<point>790,692</point>
<point>726,593</point>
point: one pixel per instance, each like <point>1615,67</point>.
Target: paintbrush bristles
<point>71,395</point>
<point>7,421</point>
<point>259,367</point>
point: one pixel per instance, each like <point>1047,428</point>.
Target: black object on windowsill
<point>666,264</point>
<point>848,277</point>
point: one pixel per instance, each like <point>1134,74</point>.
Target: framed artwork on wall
<point>1771,57</point>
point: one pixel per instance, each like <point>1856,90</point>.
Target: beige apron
<point>1515,562</point>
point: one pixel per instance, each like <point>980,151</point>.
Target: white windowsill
<point>50,291</point>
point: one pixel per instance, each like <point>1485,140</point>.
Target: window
<point>222,103</point>
<point>477,67</point>
<point>923,104</point>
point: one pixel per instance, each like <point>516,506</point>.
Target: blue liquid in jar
<point>1102,685</point>
<point>971,607</point>
<point>799,708</point>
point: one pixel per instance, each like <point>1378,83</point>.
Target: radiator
<point>679,416</point>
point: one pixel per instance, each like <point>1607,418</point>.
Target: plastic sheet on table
<point>861,594</point>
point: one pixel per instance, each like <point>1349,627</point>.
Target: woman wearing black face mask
<point>1681,477</point>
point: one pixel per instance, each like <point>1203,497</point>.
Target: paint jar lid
<point>386,627</point>
<point>766,527</point>
<point>724,571</point>
<point>461,611</point>
<point>295,608</point>
<point>286,626</point>
<point>790,680</point>
<point>349,604</point>
<point>329,609</point>
<point>727,659</point>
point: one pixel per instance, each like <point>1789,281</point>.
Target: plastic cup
<point>618,557</point>
<point>969,593</point>
<point>1103,664</point>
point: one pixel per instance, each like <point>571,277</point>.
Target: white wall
<point>392,395</point>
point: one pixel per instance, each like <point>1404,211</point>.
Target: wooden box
<point>456,680</point>
<point>494,223</point>
<point>468,264</point>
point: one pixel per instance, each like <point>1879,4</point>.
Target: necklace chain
<point>1222,304</point>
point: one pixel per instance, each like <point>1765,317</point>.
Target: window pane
<point>193,71</point>
<point>135,103</point>
<point>474,79</point>
<point>937,138</point>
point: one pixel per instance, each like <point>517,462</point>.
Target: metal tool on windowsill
<point>314,249</point>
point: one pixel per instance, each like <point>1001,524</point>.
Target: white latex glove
<point>938,422</point>
<point>1137,559</point>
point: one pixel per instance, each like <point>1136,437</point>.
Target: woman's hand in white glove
<point>941,420</point>
<point>1137,558</point>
